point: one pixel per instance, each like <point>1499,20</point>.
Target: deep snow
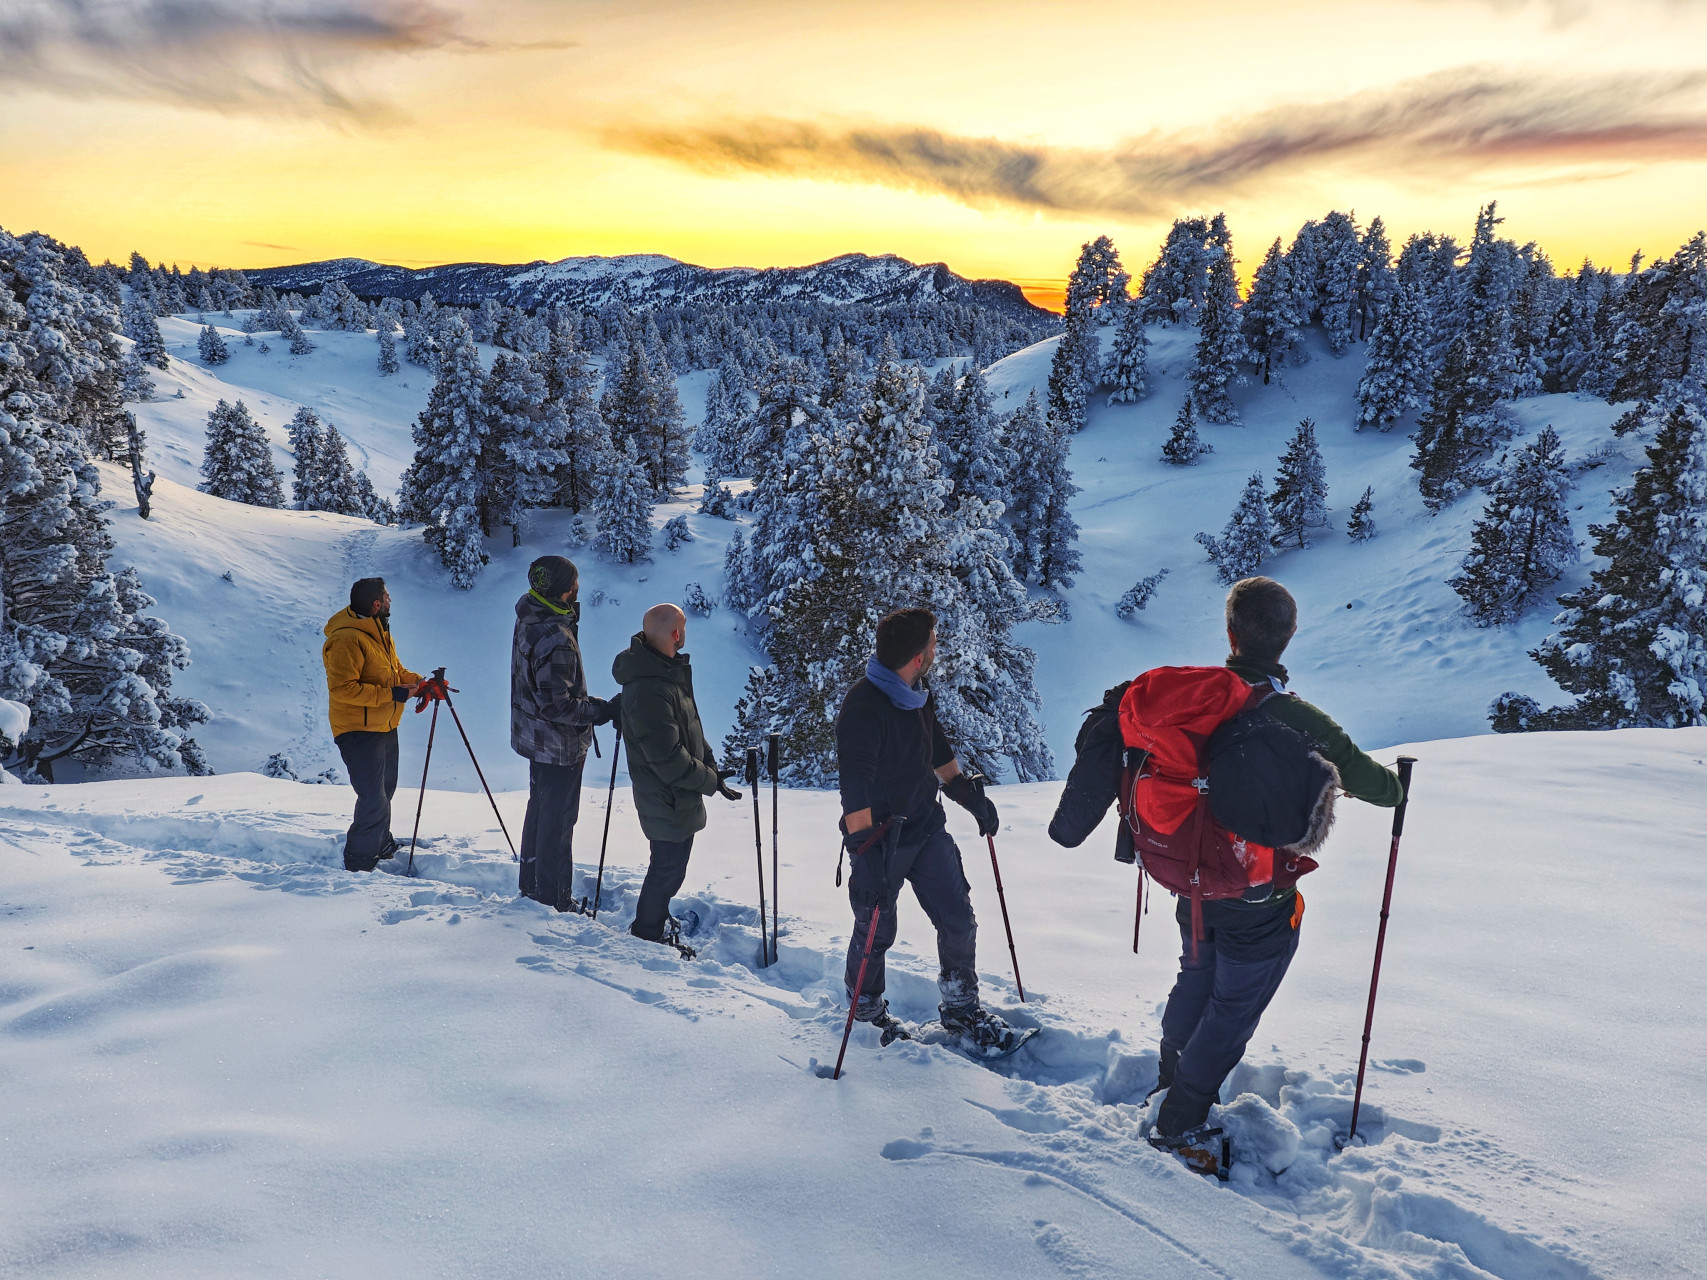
<point>224,1055</point>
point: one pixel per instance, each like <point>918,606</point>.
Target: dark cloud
<point>227,55</point>
<point>1468,118</point>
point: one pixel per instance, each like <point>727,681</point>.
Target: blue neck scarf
<point>903,695</point>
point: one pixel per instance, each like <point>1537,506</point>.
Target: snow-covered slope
<point>649,279</point>
<point>223,1055</point>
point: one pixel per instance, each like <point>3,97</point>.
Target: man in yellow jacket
<point>367,689</point>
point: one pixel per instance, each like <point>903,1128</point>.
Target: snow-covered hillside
<point>223,1055</point>
<point>1382,645</point>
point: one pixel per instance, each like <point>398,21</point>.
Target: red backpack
<point>1217,796</point>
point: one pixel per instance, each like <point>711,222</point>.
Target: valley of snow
<point>223,1055</point>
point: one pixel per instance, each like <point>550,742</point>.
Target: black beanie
<point>364,593</point>
<point>551,576</point>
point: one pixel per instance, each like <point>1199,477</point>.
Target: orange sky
<point>996,137</point>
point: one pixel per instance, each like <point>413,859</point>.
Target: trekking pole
<point>1405,763</point>
<point>432,728</point>
<point>776,892</point>
<point>610,800</point>
<point>859,986</point>
<point>759,850</point>
<point>1003,899</point>
<point>439,675</point>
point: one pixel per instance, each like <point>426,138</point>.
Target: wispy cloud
<point>225,55</point>
<point>1468,118</point>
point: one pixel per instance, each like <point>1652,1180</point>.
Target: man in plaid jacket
<point>551,723</point>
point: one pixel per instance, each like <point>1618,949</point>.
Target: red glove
<point>431,690</point>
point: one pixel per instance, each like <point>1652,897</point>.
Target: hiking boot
<point>978,1028</point>
<point>1164,1072</point>
<point>1183,1110</point>
<point>390,851</point>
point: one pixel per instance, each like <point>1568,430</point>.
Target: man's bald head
<point>665,627</point>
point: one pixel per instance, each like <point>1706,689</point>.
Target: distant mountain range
<point>643,280</point>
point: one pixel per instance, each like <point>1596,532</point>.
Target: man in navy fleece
<point>893,758</point>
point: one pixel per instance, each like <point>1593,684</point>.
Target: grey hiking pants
<point>934,870</point>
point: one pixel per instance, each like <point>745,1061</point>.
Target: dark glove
<point>400,693</point>
<point>868,872</point>
<point>967,791</point>
<point>723,788</point>
<point>603,712</point>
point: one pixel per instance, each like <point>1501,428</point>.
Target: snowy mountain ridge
<point>639,280</point>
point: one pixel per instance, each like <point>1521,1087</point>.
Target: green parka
<point>668,761</point>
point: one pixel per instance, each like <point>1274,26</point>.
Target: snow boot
<point>1183,1110</point>
<point>673,938</point>
<point>1164,1072</point>
<point>876,1014</point>
<point>980,1032</point>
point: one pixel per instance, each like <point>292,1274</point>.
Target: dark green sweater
<point>1360,775</point>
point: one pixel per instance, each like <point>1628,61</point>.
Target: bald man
<point>669,764</point>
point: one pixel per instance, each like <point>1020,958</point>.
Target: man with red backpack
<point>1233,965</point>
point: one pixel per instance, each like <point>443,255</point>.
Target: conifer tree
<point>624,509</point>
<point>1299,501</point>
<point>305,439</point>
<point>1270,326</point>
<point>211,346</point>
<point>1245,540</point>
<point>1523,540</point>
<point>1457,428</point>
<point>237,462</point>
<point>572,393</point>
<point>1184,447</point>
<point>1172,288</point>
<point>1220,344</point>
<point>523,455</point>
<point>143,330</point>
<point>1361,526</point>
<point>1375,279</point>
<point>726,423</point>
<point>1396,378</point>
<point>387,351</point>
<point>339,487</point>
<point>1138,595</point>
<point>1632,645</point>
<point>1339,261</point>
<point>1073,368</point>
<point>445,487</point>
<point>969,440</point>
<point>1128,367</point>
<point>137,386</point>
<point>1043,528</point>
<point>142,484</point>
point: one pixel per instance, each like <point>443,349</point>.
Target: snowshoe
<point>673,937</point>
<point>893,1028</point>
<point>981,1035</point>
<point>1199,1151</point>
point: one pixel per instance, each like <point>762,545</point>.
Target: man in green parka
<point>669,764</point>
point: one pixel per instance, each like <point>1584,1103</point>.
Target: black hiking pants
<point>548,833</point>
<point>371,761</point>
<point>934,870</point>
<point>664,875</point>
<point>1222,991</point>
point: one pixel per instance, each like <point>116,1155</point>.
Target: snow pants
<point>934,870</point>
<point>1222,991</point>
<point>664,875</point>
<point>548,833</point>
<point>371,761</point>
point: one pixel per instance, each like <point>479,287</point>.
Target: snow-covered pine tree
<point>1220,344</point>
<point>137,386</point>
<point>1244,542</point>
<point>1632,645</point>
<point>1172,288</point>
<point>387,351</point>
<point>1452,433</point>
<point>1043,529</point>
<point>1361,526</point>
<point>676,532</point>
<point>237,462</point>
<point>1397,375</point>
<point>1184,447</point>
<point>1127,370</point>
<point>1138,595</point>
<point>1268,317</point>
<point>142,329</point>
<point>305,435</point>
<point>1304,273</point>
<point>1075,358</point>
<point>632,405</point>
<point>969,441</point>
<point>334,485</point>
<point>1523,541</point>
<point>1660,343</point>
<point>1375,279</point>
<point>420,336</point>
<point>300,343</point>
<point>572,390</point>
<point>211,347</point>
<point>523,457</point>
<point>1339,259</point>
<point>669,438</point>
<point>1299,502</point>
<point>445,487</point>
<point>624,509</point>
<point>727,421</point>
<point>341,310</point>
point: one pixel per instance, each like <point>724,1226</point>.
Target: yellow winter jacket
<point>361,669</point>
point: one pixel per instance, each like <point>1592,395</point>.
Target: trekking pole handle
<point>752,773</point>
<point>775,751</point>
<point>1405,763</point>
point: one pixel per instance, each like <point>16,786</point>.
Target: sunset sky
<point>994,136</point>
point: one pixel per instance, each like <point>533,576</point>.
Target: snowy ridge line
<point>1075,1116</point>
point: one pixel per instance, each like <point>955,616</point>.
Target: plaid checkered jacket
<point>551,718</point>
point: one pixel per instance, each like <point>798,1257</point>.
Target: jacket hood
<point>529,609</point>
<point>640,661</point>
<point>347,620</point>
